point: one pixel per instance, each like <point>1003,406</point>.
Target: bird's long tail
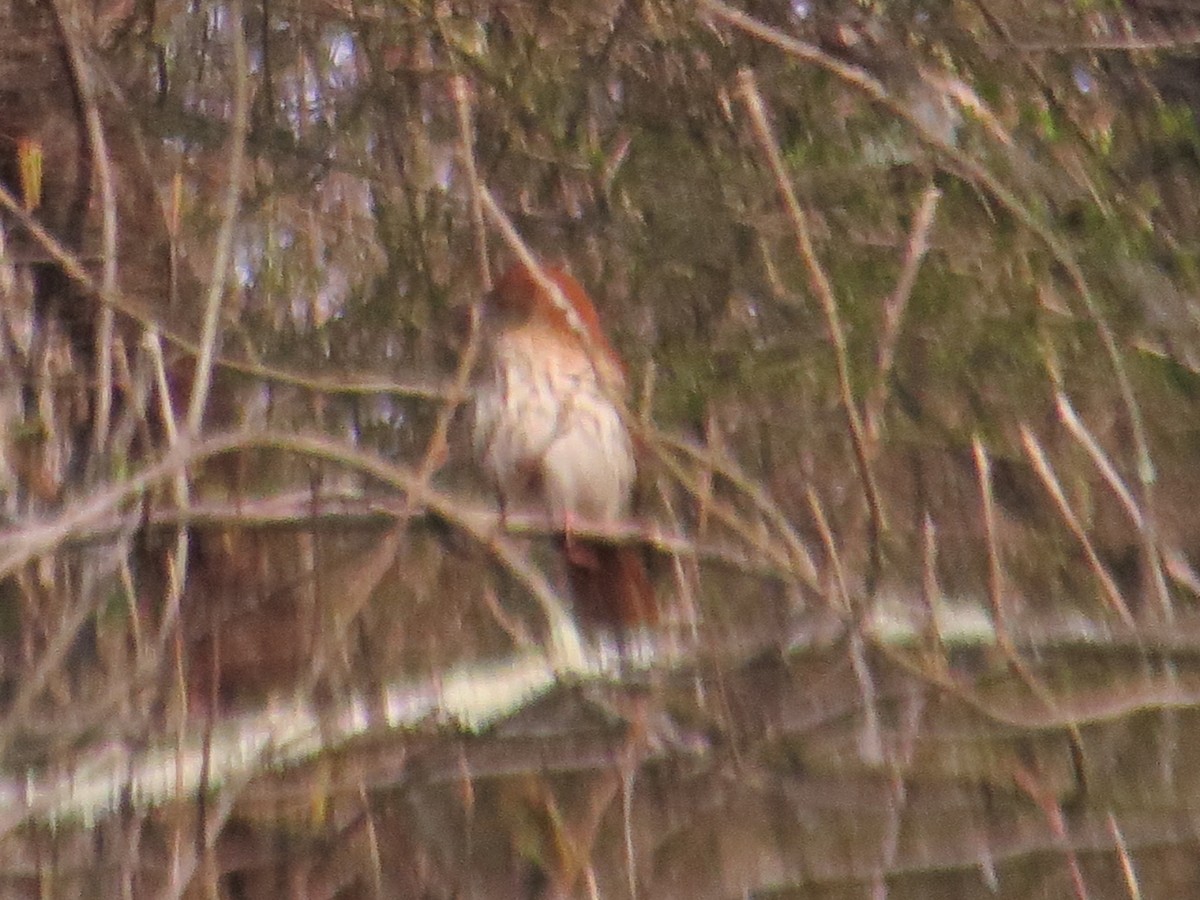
<point>610,585</point>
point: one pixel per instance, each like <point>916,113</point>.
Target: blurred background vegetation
<point>908,293</point>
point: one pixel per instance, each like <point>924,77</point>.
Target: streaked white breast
<point>547,432</point>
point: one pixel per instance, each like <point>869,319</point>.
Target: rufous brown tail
<point>610,585</point>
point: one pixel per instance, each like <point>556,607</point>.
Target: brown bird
<point>550,434</point>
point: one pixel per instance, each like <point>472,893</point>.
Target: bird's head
<point>524,299</point>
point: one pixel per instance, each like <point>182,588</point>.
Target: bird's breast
<point>548,432</point>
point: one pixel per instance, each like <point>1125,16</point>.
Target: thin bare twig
<point>820,286</point>
<point>1127,869</point>
<point>1147,37</point>
<point>995,580</point>
<point>239,127</point>
<point>684,566</point>
<point>220,808</point>
<point>437,449</point>
<point>1032,784</point>
<point>178,569</point>
<point>1004,640</point>
<point>931,591</point>
<point>1045,472</point>
<point>848,607</point>
<point>466,133</point>
<point>69,28</point>
<point>894,307</point>
<point>1142,521</point>
<point>871,740</point>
